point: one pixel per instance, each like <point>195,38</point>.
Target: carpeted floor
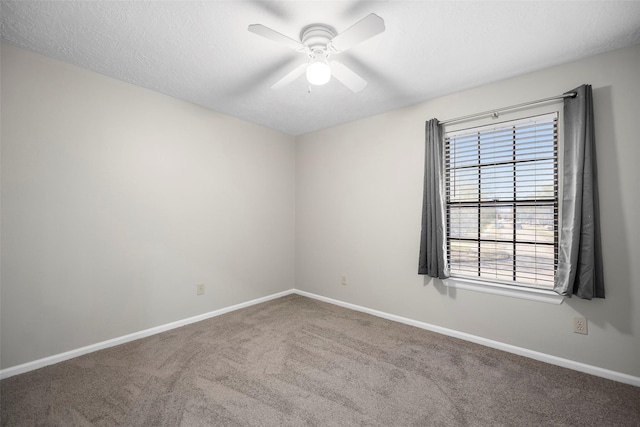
<point>296,361</point>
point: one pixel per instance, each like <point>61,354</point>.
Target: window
<point>502,202</point>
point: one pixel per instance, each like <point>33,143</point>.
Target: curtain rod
<point>495,112</point>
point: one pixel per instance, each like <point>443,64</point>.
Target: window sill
<point>532,294</point>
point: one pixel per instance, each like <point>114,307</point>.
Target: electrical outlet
<point>343,280</point>
<point>580,325</point>
<point>200,289</point>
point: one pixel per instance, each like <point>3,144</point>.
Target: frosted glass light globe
<point>318,73</point>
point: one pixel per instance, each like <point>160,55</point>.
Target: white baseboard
<point>543,357</point>
<point>56,358</point>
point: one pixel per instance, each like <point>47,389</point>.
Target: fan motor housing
<point>317,36</point>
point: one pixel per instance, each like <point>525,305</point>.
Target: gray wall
<point>117,201</point>
<point>359,197</point>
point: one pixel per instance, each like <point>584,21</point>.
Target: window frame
<point>509,288</point>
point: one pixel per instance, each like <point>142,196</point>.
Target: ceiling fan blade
<point>270,34</point>
<point>347,77</point>
<point>294,74</point>
<point>362,30</point>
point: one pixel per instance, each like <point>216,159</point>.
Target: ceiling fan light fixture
<point>318,42</point>
<point>318,72</point>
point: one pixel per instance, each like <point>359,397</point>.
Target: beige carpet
<point>295,361</point>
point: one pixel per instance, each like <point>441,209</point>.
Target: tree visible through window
<point>502,202</point>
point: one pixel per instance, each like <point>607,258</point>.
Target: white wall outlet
<point>580,325</point>
<point>200,289</point>
<point>343,280</point>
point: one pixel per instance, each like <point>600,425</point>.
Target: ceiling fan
<point>318,42</point>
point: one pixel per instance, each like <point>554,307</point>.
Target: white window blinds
<point>502,202</point>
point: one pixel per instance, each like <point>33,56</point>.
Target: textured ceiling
<point>202,52</point>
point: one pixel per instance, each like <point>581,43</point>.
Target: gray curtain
<point>432,259</point>
<point>580,257</point>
